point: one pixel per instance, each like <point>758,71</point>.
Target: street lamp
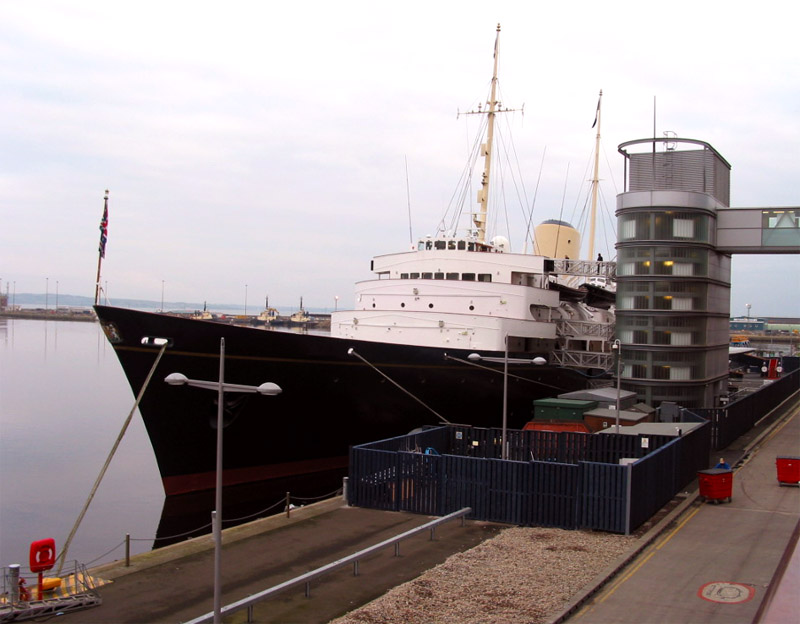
<point>617,348</point>
<point>268,388</point>
<point>476,357</point>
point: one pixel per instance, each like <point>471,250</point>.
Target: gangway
<point>81,593</point>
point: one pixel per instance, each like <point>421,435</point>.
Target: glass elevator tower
<point>673,285</point>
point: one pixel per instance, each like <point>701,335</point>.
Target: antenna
<point>654,124</point>
<point>408,200</point>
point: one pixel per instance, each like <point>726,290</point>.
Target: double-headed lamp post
<point>617,348</point>
<point>268,388</point>
<point>476,357</point>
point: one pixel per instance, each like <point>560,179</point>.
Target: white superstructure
<point>454,292</point>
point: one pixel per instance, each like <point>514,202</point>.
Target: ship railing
<point>586,268</point>
<point>250,602</point>
<point>583,359</point>
<point>578,329</point>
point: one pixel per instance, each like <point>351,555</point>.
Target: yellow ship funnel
<point>556,239</point>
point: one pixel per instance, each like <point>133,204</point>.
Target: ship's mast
<point>595,180</point>
<point>483,194</point>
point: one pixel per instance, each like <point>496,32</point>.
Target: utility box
<point>788,468</point>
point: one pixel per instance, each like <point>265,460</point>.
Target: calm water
<point>63,401</point>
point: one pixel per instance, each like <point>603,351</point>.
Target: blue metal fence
<point>560,479</point>
<point>735,419</point>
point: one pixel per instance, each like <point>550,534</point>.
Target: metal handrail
<point>249,602</point>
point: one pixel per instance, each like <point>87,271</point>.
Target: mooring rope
<point>352,351</point>
<point>63,556</point>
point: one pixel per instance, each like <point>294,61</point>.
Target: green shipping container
<point>561,409</point>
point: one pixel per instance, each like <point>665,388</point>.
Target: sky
<point>271,149</point>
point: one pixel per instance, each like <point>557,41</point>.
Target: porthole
<point>373,305</point>
<point>430,305</point>
<point>402,305</point>
<point>472,307</point>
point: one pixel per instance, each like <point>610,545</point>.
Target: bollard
<point>127,550</point>
<point>346,490</point>
<point>13,582</point>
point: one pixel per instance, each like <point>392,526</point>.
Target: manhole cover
<point>728,593</point>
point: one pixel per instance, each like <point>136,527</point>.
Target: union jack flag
<point>104,229</point>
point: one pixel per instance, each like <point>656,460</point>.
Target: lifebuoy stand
<point>43,557</point>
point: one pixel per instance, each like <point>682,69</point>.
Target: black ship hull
<point>330,399</point>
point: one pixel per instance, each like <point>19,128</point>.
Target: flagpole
<point>101,251</point>
<point>595,179</point>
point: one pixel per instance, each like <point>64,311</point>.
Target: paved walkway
<point>717,562</point>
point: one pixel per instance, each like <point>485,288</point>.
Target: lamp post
<point>268,388</point>
<point>476,357</point>
<point>617,348</point>
<point>504,450</point>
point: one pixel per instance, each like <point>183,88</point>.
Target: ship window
<point>438,276</point>
<point>427,276</point>
<point>468,277</point>
<point>402,305</point>
<point>462,245</point>
<point>430,305</point>
<point>404,276</point>
<point>471,247</point>
<point>421,245</point>
<point>472,307</point>
<point>451,244</point>
<point>414,275</point>
<point>452,276</point>
<point>484,277</point>
<point>440,244</point>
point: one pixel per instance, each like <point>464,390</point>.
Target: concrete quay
<point>175,583</point>
<point>701,563</point>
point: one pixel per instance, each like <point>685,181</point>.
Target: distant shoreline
<point>50,315</point>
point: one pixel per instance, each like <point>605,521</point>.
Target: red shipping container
<point>716,484</point>
<point>788,470</point>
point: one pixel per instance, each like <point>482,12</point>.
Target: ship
<point>457,329</point>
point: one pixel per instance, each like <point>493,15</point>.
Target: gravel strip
<point>522,575</point>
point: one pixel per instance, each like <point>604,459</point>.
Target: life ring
<point>43,555</point>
